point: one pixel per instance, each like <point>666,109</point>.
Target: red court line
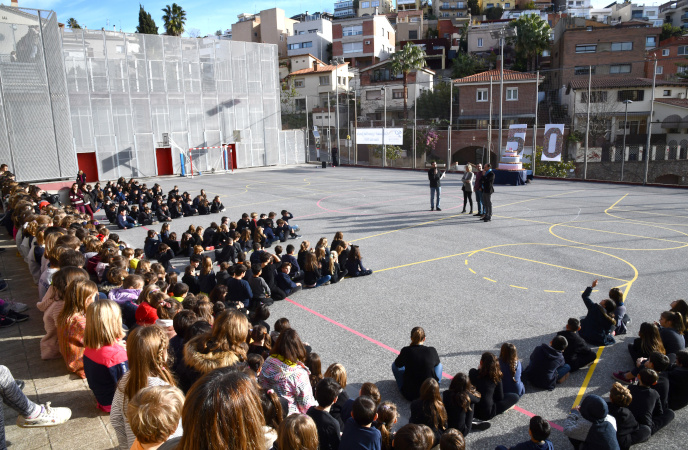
<point>387,347</point>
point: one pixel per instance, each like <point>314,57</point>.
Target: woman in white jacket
<point>467,188</point>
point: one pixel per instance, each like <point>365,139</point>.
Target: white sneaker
<point>17,307</point>
<point>49,417</point>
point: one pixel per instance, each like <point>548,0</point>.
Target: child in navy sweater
<point>359,432</point>
<point>539,431</point>
<point>547,366</point>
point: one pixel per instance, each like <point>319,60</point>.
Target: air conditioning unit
<point>367,42</point>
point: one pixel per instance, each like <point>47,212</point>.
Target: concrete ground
<point>471,285</point>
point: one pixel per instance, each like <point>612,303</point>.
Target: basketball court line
<point>393,350</point>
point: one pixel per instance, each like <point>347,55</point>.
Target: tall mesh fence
<point>616,126</point>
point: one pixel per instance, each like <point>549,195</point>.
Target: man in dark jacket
<point>435,186</point>
<point>488,190</point>
<point>547,366</point>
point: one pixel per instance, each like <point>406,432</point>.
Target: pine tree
<point>146,22</point>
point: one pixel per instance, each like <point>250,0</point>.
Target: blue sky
<point>205,15</point>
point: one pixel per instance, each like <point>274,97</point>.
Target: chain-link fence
<point>601,109</point>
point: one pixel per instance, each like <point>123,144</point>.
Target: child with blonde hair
<point>105,356</point>
<point>71,323</point>
<point>154,414</point>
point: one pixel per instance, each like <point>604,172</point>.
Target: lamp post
<point>383,89</point>
<point>501,34</point>
<point>623,149</point>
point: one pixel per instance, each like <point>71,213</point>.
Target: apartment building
<point>312,35</point>
<point>372,7</point>
<point>363,41</point>
<point>436,51</point>
<point>411,25</point>
<point>624,12</point>
<point>506,5</point>
<point>582,45</point>
<point>446,9</point>
<point>409,5</point>
<point>479,38</point>
<point>344,9</point>
<point>315,81</point>
<point>671,55</point>
<point>270,26</point>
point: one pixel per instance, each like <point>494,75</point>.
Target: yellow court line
<point>555,265</point>
<point>466,261</point>
<point>525,220</point>
<point>489,279</point>
<point>472,271</point>
<point>588,376</point>
<point>617,202</point>
<point>645,212</point>
<point>556,292</point>
<point>457,215</point>
<point>622,234</point>
<point>421,262</point>
<point>518,287</point>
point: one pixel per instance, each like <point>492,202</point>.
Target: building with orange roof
<point>313,81</point>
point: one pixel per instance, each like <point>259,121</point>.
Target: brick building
<point>672,55</point>
<point>436,51</point>
<point>472,99</point>
<point>363,41</point>
<point>611,50</point>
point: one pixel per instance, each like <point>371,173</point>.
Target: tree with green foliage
<point>73,24</point>
<point>494,13</point>
<point>474,7</point>
<point>146,22</point>
<point>404,61</point>
<point>532,39</point>
<point>393,152</point>
<point>669,31</point>
<point>559,169</point>
<point>465,64</point>
<point>435,104</point>
<point>218,33</point>
<point>529,5</point>
<point>174,18</point>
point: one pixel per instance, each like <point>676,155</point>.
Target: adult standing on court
<point>435,186</point>
<point>488,190</point>
<point>479,189</point>
<point>467,188</point>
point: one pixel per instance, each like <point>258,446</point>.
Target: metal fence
<point>602,109</point>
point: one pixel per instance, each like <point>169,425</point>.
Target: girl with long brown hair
<point>312,275</point>
<point>487,379</point>
<point>71,323</point>
<point>147,354</point>
<point>429,410</point>
<point>298,432</point>
<point>511,369</point>
<point>460,400</point>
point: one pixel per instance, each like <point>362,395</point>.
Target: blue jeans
<point>434,190</point>
<point>399,374</point>
<point>323,280</point>
<point>479,201</point>
<point>13,397</point>
<point>563,370</point>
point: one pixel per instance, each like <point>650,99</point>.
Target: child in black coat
<point>678,381</point>
<point>597,327</point>
<point>577,353</point>
<point>547,367</point>
<point>628,430</point>
<point>647,405</point>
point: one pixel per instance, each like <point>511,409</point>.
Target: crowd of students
<point>191,362</point>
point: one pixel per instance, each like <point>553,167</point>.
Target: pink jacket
<point>51,307</point>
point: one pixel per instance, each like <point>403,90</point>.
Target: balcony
<point>406,2</point>
<point>452,7</point>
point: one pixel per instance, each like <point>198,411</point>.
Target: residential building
<point>411,25</point>
<point>582,45</point>
<point>472,99</point>
<point>409,5</point>
<point>378,83</point>
<point>672,56</point>
<point>312,34</point>
<point>671,119</point>
<point>446,8</point>
<point>540,5</point>
<point>577,8</point>
<point>624,12</point>
<point>363,41</point>
<point>451,29</point>
<point>344,9</point>
<point>436,51</point>
<point>479,37</point>
<point>315,81</point>
<point>270,26</point>
<point>506,5</point>
<point>372,7</point>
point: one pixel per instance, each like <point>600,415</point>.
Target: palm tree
<point>406,60</point>
<point>174,19</point>
<point>532,39</point>
<point>73,24</point>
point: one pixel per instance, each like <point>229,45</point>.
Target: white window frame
<point>352,30</point>
<point>665,52</point>
<point>660,70</point>
<point>365,5</point>
<point>482,95</point>
<point>586,48</point>
<point>683,50</point>
<point>651,42</point>
<point>300,83</point>
<point>510,91</point>
<point>353,47</point>
<point>622,46</point>
<point>480,42</point>
<point>619,68</point>
<point>325,80</point>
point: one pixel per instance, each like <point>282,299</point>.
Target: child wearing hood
<point>590,426</point>
<point>126,297</point>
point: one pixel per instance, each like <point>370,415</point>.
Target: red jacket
<point>146,314</point>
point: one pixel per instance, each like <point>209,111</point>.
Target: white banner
<point>373,136</point>
<point>554,143</point>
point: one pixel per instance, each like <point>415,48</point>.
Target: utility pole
<point>587,126</point>
<point>648,153</point>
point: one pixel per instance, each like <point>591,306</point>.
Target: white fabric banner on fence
<point>393,136</point>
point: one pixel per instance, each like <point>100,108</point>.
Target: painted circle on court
<point>620,235</point>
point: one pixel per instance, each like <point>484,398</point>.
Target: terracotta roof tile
<point>509,75</point>
<point>321,69</point>
<point>619,82</point>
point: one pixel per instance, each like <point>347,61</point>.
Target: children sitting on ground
<point>359,432</point>
<point>547,366</point>
<point>598,326</point>
<point>539,430</point>
<point>577,353</point>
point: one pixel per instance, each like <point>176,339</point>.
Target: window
<point>299,83</point>
<point>683,50</point>
<point>352,47</point>
<point>586,48</point>
<point>375,94</point>
<point>460,5</point>
<point>381,75</point>
<point>365,4</point>
<point>325,80</point>
<point>681,69</point>
<point>595,97</point>
<point>637,95</point>
<point>511,94</point>
<point>445,5</point>
<point>490,5</point>
<point>651,42</point>
<point>584,70</point>
<point>300,104</point>
<point>481,95</point>
<point>301,45</point>
<point>398,93</point>
<point>413,34</point>
<point>665,52</point>
<point>354,30</point>
<point>480,42</point>
<point>507,5</point>
<point>660,70</point>
<point>375,3</point>
<point>667,93</point>
<point>620,68</point>
<point>622,46</point>
<point>313,31</point>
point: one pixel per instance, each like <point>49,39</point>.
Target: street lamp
<point>501,34</point>
<point>623,149</point>
<point>383,90</point>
